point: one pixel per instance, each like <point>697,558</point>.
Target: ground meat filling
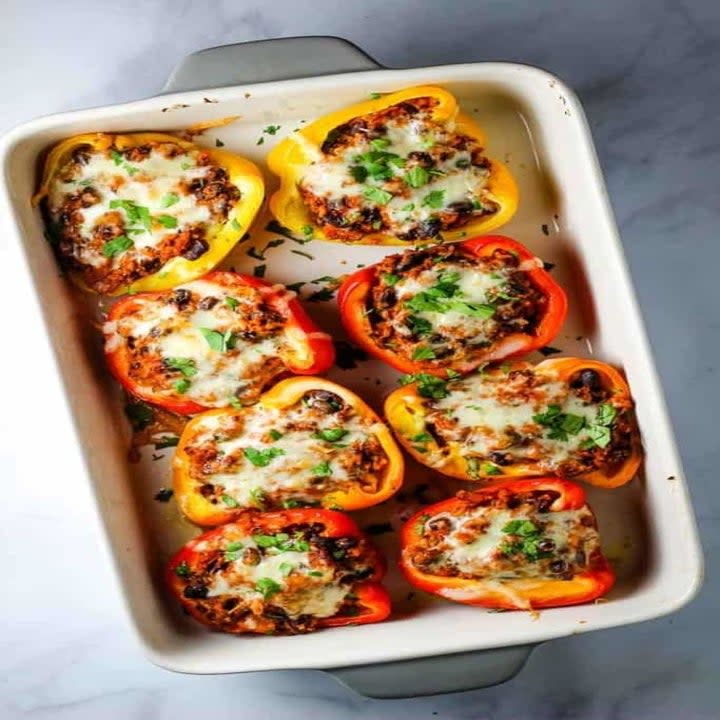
<point>397,171</point>
<point>498,419</point>
<point>507,536</point>
<point>211,344</point>
<point>270,459</point>
<point>275,584</point>
<point>116,216</point>
<point>440,305</point>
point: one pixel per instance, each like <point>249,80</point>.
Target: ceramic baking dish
<point>536,125</point>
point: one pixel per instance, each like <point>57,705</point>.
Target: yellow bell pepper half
<point>290,158</point>
<point>221,237</point>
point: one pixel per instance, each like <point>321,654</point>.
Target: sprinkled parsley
<point>377,195</point>
<point>119,244</point>
<point>221,342</point>
<point>267,587</point>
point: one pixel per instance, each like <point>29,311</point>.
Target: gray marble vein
<point>648,73</point>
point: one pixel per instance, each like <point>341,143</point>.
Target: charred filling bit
<point>508,535</point>
<point>269,458</point>
<point>399,171</point>
<point>116,216</point>
<point>210,344</point>
<point>280,583</point>
<point>440,305</point>
<point>495,419</point>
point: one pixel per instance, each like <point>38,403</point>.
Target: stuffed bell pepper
<point>522,545</point>
<point>567,416</point>
<point>453,307</point>
<point>277,573</point>
<point>214,342</point>
<point>402,167</point>
<point>307,441</point>
<point>145,211</point>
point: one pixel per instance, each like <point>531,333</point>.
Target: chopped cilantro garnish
<point>286,568</point>
<point>419,326</point>
<point>166,441</point>
<point>262,458</point>
<point>231,302</point>
<point>231,502</point>
<point>182,569</point>
<point>117,245</point>
<point>257,497</point>
<point>185,365</point>
<point>271,129</point>
<point>416,177</point>
<point>434,199</point>
<point>323,469</point>
<point>428,386</point>
<point>267,587</point>
<point>390,279</point>
<point>275,434</point>
<point>181,386</point>
<point>167,221</point>
<point>423,352</point>
<point>221,342</point>
<point>379,143</point>
<point>375,95</point>
<point>378,196</point>
<point>169,199</point>
<point>331,434</point>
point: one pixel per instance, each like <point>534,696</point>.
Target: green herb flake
<point>303,254</point>
<point>377,195</point>
<point>169,199</point>
<point>119,244</point>
<point>428,385</point>
<point>181,386</point>
<point>489,468</point>
<point>235,225</point>
<point>232,302</point>
<point>271,129</point>
<point>231,502</point>
<point>167,221</point>
<point>185,365</point>
<point>330,434</point>
<point>260,141</point>
<point>262,458</point>
<point>140,415</point>
<point>323,469</point>
<point>267,587</point>
<point>390,279</point>
<point>166,441</point>
<point>434,199</point>
<point>286,568</point>
<point>375,95</point>
<point>257,497</point>
<point>220,342</point>
<point>275,434</point>
<point>182,569</point>
<point>416,177</point>
<point>423,352</point>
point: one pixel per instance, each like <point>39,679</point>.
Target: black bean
<point>388,297</point>
<point>207,489</point>
<point>499,458</point>
<point>441,525</point>
<point>230,603</point>
<point>181,297</point>
<point>195,248</point>
<point>324,401</point>
<point>423,159</point>
<point>195,591</point>
<point>558,567</point>
<point>208,303</point>
<point>546,545</point>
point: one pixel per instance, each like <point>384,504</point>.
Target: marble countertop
<point>647,72</point>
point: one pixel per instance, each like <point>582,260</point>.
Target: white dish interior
<point>534,124</point>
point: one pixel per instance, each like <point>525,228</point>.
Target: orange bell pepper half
<point>548,571</point>
<point>407,408</point>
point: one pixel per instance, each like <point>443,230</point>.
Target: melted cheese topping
<point>472,288</point>
<point>155,183</point>
<point>483,556</point>
<point>319,595</point>
<point>217,376</point>
<point>489,416</point>
<point>295,459</point>
<point>454,179</point>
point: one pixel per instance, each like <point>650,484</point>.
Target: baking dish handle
<point>265,61</point>
<point>435,675</point>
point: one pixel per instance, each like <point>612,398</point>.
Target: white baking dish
<point>536,124</point>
